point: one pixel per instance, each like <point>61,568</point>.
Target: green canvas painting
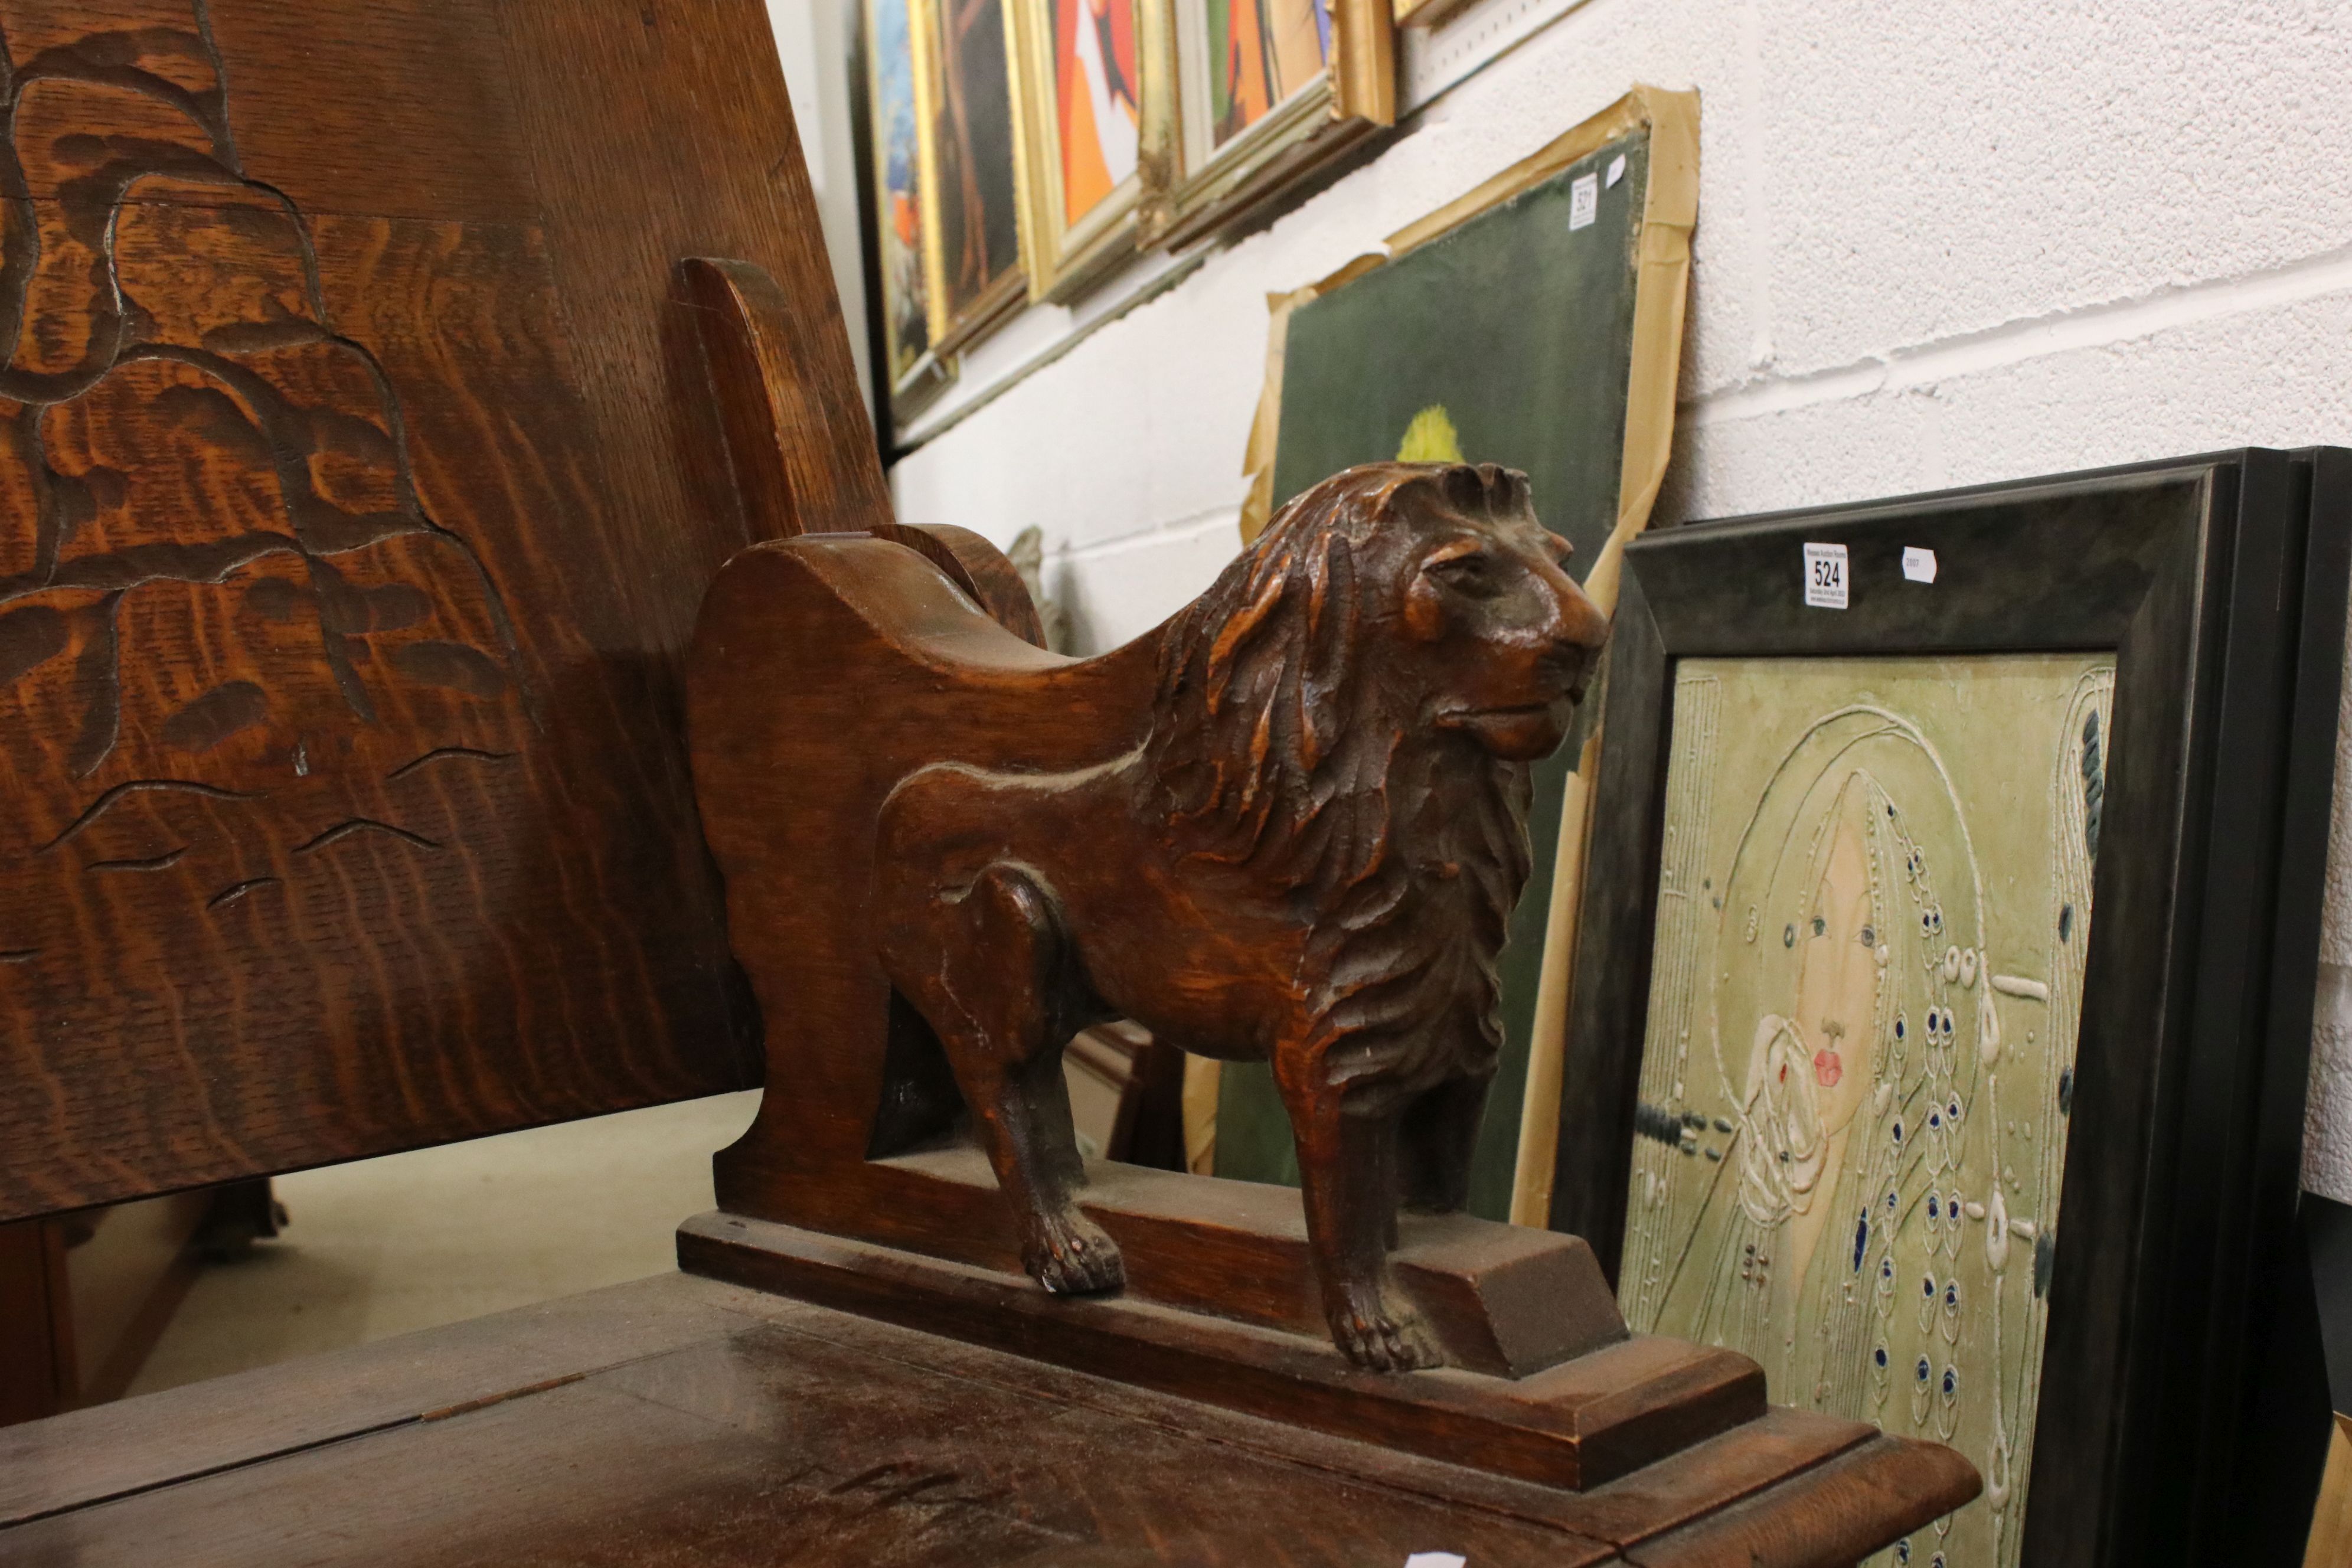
<point>1508,340</point>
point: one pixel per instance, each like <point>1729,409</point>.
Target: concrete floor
<point>382,1247</point>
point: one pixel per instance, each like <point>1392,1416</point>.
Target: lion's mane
<point>1283,744</point>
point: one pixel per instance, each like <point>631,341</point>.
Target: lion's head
<point>1396,623</point>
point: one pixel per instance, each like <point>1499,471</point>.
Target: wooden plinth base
<point>1576,1425</point>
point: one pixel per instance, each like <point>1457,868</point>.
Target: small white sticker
<point>1584,200</point>
<point>1435,1560</point>
<point>1825,577</point>
<point>1919,564</point>
<point>1616,170</point>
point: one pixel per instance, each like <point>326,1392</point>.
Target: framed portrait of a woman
<point>1259,91</point>
<point>1078,69</point>
<point>1942,999</point>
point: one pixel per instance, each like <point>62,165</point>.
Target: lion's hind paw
<point>1376,1335</point>
<point>1069,1255</point>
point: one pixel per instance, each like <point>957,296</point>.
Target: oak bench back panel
<point>358,484</point>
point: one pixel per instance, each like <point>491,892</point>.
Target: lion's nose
<point>1576,635</point>
<point>1582,622</point>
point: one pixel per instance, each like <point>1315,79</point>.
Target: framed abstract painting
<point>972,224</point>
<point>1262,91</point>
<point>1942,1000</point>
<point>1078,70</point>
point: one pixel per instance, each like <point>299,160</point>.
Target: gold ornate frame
<point>1009,293</point>
<point>929,372</point>
<point>1064,258</point>
<point>1189,192</point>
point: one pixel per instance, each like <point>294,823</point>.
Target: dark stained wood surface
<point>133,1445</point>
<point>1586,1420</point>
<point>359,480</point>
<point>1503,1300</point>
<point>797,438</point>
<point>34,1379</point>
<point>713,1424</point>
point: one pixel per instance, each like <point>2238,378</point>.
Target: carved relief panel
<point>341,571</point>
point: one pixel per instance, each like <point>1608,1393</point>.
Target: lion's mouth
<point>1522,730</point>
<point>1512,711</point>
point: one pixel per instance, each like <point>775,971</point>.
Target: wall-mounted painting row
<point>1019,151</point>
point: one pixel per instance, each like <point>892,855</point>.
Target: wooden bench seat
<point>682,1420</point>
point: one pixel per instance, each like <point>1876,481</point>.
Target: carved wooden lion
<point>1309,859</point>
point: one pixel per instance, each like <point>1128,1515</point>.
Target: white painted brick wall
<point>1938,244</point>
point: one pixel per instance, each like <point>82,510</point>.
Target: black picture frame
<point>2220,583</point>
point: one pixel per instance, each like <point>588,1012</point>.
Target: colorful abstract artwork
<point>1096,99</point>
<point>1260,52</point>
<point>1874,898</point>
<point>905,301</point>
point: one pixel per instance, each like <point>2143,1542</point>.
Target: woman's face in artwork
<point>1837,968</point>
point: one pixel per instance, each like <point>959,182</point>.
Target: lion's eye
<point>1472,573</point>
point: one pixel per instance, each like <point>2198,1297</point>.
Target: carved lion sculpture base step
<point>1682,1417</point>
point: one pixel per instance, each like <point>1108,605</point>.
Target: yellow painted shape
<point>1430,438</point>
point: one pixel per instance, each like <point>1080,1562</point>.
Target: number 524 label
<point>1825,577</point>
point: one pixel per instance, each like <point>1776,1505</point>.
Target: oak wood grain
<point>349,534</point>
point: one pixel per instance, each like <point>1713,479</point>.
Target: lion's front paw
<point>1069,1255</point>
<point>1374,1327</point>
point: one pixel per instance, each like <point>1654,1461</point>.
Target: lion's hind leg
<point>989,970</point>
<point>1435,1142</point>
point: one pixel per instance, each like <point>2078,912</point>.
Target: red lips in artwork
<point>1827,1068</point>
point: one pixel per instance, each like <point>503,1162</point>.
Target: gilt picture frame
<point>2151,654</point>
<point>1257,94</point>
<point>1080,76</point>
<point>973,266</point>
<point>910,373</point>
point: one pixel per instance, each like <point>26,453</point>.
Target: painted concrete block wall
<point>1937,245</point>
